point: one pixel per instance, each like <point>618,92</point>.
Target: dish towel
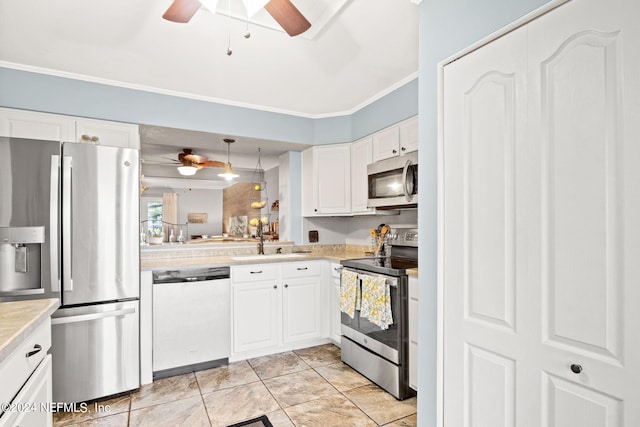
<point>349,292</point>
<point>376,301</point>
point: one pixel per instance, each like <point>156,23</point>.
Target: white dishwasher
<point>191,320</point>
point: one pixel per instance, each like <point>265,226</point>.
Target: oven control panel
<point>403,237</point>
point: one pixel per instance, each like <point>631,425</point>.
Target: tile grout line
<point>206,410</point>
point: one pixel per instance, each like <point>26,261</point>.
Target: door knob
<point>576,369</point>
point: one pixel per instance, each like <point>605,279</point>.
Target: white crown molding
<point>152,89</point>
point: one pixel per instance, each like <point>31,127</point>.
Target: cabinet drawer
<point>15,370</point>
<point>254,273</point>
<point>300,269</point>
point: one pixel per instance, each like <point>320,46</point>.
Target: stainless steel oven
<point>393,183</point>
<point>382,354</point>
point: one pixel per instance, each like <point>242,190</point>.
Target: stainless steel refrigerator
<point>69,229</point>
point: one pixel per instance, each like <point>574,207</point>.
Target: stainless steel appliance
<point>191,320</point>
<point>85,197</point>
<point>382,355</point>
<point>393,183</point>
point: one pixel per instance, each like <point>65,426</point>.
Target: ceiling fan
<point>283,11</point>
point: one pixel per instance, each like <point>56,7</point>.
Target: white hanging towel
<point>349,292</point>
<point>376,301</point>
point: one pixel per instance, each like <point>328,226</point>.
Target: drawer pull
<point>302,268</point>
<point>256,272</point>
<point>36,350</point>
<point>286,286</point>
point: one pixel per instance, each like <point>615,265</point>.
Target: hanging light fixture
<point>228,173</point>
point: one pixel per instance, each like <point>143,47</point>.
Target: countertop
<point>176,257</point>
<point>19,318</point>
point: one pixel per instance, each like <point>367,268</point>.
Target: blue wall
<point>52,94</point>
<point>446,27</point>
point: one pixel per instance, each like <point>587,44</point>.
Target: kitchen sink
<point>269,256</point>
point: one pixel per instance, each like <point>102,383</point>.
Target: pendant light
<point>228,173</point>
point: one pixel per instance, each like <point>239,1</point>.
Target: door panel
<point>581,195</point>
<point>103,225</point>
<point>566,403</point>
<point>575,228</point>
<point>95,350</point>
<point>483,298</point>
<point>490,389</point>
<point>585,251</point>
<point>489,214</point>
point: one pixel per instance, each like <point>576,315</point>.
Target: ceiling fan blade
<point>214,164</point>
<point>182,10</point>
<point>194,158</point>
<point>288,16</point>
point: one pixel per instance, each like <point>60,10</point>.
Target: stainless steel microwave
<point>393,183</point>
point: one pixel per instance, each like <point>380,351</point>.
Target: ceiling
<point>355,51</point>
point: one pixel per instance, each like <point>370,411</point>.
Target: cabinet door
<point>32,125</point>
<point>413,332</point>
<point>386,144</point>
<point>301,309</point>
<point>409,136</point>
<point>361,156</point>
<point>332,170</point>
<point>256,320</point>
<point>334,302</point>
<point>113,134</point>
<point>35,395</point>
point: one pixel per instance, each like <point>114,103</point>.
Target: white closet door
<point>541,223</point>
<point>484,342</point>
<point>585,247</point>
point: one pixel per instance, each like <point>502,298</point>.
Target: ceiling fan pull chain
<point>229,51</point>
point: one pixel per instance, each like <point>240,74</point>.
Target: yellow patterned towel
<point>349,292</point>
<point>376,301</point>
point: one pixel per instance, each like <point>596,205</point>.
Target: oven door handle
<point>405,187</point>
<point>389,281</point>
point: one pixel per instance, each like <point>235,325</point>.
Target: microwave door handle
<point>67,279</point>
<point>53,224</point>
<point>405,188</point>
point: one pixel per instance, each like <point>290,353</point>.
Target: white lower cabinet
<point>28,369</point>
<point>334,303</point>
<point>413,332</point>
<point>275,306</point>
<point>256,317</point>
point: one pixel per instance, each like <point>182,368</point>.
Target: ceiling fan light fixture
<point>187,170</point>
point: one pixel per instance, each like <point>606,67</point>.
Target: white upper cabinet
<point>113,134</point>
<point>396,140</point>
<point>326,180</point>
<point>55,127</point>
<point>361,156</point>
<point>409,135</point>
<point>386,144</point>
<point>32,125</point>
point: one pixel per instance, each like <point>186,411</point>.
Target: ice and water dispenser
<point>20,260</point>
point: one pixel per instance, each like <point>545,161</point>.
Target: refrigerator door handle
<point>67,277</point>
<point>53,223</point>
<point>92,316</point>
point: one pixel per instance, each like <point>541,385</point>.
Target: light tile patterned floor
<point>308,387</point>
